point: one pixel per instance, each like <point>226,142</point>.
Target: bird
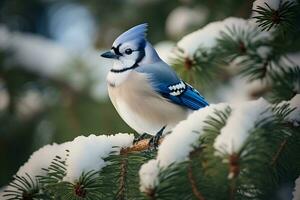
<point>146,92</point>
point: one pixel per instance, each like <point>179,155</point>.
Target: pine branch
<point>171,181</point>
<point>238,45</point>
<point>238,41</point>
<point>285,83</point>
<point>25,188</point>
<point>123,174</point>
<point>277,154</point>
<point>283,17</point>
<point>200,69</point>
<point>196,193</point>
<point>55,172</point>
<point>234,166</point>
<point>202,174</point>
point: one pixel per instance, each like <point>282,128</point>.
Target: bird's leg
<point>153,142</point>
<point>139,138</point>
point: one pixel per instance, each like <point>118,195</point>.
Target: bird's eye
<point>128,51</point>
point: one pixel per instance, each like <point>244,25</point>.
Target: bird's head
<point>131,48</point>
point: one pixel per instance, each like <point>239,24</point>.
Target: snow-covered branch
<point>177,146</point>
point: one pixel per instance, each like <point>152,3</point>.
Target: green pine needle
<point>23,187</point>
<point>283,18</point>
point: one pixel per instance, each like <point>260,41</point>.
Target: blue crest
<point>136,32</point>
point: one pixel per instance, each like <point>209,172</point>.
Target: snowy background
<point>52,79</point>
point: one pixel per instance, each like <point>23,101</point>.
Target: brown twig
<point>277,154</point>
<point>234,166</point>
<point>121,193</point>
<point>196,193</point>
<point>234,171</point>
<point>79,190</point>
<point>151,194</point>
<point>138,147</point>
<point>188,63</point>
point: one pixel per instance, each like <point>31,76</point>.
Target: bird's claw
<point>139,138</point>
<point>154,141</point>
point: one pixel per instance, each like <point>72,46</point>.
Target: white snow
<point>264,51</point>
<point>87,153</point>
<point>242,119</point>
<point>238,89</point>
<point>164,50</point>
<point>177,146</point>
<point>38,160</point>
<point>294,103</point>
<point>182,18</point>
<point>148,175</point>
<point>206,37</point>
<point>293,58</point>
<point>42,159</point>
<point>291,61</point>
<point>296,192</point>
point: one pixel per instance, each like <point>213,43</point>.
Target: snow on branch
<point>207,36</point>
<point>81,156</point>
<point>33,168</point>
<point>177,146</point>
<point>41,159</point>
<point>242,119</point>
<point>232,42</point>
<point>294,116</point>
<point>149,176</point>
<point>87,153</point>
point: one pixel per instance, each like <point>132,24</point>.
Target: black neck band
<point>124,69</point>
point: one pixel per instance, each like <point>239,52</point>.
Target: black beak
<point>109,54</point>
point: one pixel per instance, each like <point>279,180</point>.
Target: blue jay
<point>146,91</point>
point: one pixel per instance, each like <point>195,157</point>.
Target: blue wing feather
<point>161,76</point>
<point>189,98</point>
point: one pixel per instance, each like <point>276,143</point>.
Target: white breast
<point>142,108</point>
<point>117,78</point>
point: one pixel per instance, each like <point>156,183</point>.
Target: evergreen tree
<point>229,151</point>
